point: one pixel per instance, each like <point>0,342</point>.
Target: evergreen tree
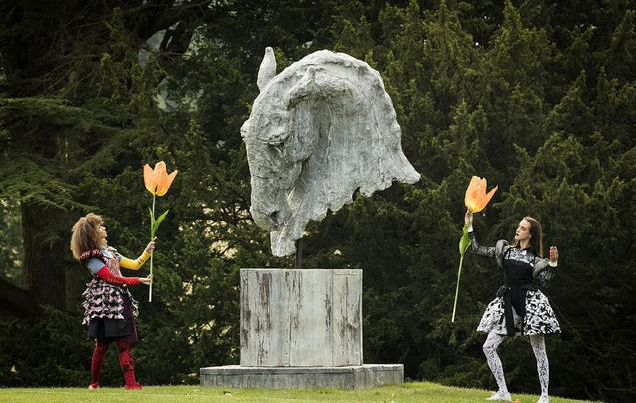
<point>537,96</point>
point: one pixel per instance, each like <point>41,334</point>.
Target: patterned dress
<point>519,308</point>
<point>109,309</point>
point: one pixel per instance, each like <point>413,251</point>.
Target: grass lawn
<point>420,392</point>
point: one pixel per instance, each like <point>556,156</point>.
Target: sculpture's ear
<point>267,70</point>
<point>303,88</point>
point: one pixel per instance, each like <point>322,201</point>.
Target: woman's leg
<point>101,347</point>
<point>537,342</point>
<point>490,350</point>
<point>126,363</point>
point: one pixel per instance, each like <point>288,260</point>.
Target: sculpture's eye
<point>278,147</point>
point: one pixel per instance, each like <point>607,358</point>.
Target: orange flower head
<point>157,180</point>
<point>476,197</point>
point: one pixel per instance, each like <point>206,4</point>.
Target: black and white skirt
<point>539,318</point>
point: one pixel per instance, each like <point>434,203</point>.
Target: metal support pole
<point>299,254</point>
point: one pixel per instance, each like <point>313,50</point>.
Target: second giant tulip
<point>476,197</point>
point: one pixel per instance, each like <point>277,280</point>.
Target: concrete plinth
<point>350,377</point>
<point>301,318</point>
<point>300,329</point>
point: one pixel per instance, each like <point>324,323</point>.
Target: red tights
<point>125,362</point>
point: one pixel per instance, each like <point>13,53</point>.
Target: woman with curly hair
<point>109,307</point>
<point>519,308</point>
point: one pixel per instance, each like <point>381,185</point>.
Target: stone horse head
<point>318,131</point>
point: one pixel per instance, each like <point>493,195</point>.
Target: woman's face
<point>523,231</point>
<point>101,235</point>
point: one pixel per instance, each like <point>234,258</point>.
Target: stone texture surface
<point>267,69</point>
<point>318,131</point>
<point>350,377</point>
<point>294,318</point>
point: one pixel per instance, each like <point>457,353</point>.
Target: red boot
<point>127,365</point>
<point>101,347</point>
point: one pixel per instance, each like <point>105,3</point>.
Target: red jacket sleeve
<point>105,274</point>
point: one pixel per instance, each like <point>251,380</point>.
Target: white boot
<point>543,399</point>
<point>499,395</point>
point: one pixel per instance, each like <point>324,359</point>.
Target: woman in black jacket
<point>519,308</point>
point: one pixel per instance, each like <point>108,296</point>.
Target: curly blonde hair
<point>85,236</point>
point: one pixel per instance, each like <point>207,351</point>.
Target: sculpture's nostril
<point>273,216</point>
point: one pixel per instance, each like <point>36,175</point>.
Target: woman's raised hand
<point>468,218</point>
<point>151,245</point>
<point>554,254</point>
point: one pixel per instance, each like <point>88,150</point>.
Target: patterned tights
<point>125,360</point>
<point>538,347</point>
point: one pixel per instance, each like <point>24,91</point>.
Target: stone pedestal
<point>299,318</point>
<point>301,328</point>
<point>350,377</point>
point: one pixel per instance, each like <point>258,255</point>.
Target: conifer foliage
<point>537,96</point>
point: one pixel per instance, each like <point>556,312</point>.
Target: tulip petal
<point>490,195</point>
<point>149,179</point>
<point>476,198</point>
<point>474,190</point>
<point>474,180</point>
<point>480,193</point>
<point>160,168</point>
<point>165,182</point>
<point>469,197</point>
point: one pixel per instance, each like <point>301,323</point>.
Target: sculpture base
<point>301,318</point>
<point>351,377</point>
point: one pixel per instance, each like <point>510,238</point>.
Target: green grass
<point>420,392</point>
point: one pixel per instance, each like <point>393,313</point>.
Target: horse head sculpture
<point>318,131</point>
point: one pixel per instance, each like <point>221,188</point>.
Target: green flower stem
<point>464,242</point>
<point>152,224</point>
<point>459,273</point>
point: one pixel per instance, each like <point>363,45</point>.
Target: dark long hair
<point>536,237</point>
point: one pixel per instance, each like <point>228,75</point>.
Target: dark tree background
<point>537,96</point>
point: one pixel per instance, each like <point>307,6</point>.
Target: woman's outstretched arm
<point>486,251</point>
<point>127,263</point>
<point>98,268</point>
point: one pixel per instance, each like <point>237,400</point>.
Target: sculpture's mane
<point>337,129</point>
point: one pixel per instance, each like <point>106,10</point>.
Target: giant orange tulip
<point>157,180</point>
<point>476,197</point>
<point>475,200</point>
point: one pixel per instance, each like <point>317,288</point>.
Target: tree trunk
<point>16,301</point>
<point>46,253</point>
